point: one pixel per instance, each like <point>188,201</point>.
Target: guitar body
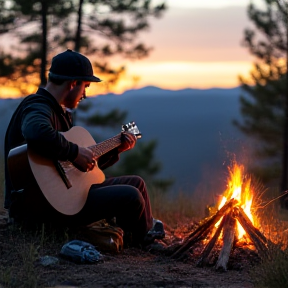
<point>24,164</point>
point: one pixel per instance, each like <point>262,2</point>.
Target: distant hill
<point>193,129</point>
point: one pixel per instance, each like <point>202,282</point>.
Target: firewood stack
<point>230,213</point>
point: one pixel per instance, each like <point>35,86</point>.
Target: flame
<point>239,188</point>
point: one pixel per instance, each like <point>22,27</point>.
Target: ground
<point>134,267</point>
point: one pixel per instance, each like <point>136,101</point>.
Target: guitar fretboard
<point>106,146</point>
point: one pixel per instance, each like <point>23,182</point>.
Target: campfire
<point>231,225</point>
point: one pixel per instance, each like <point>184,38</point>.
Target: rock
<point>48,260</point>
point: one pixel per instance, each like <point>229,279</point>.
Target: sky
<point>196,44</point>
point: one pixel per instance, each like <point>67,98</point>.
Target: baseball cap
<point>71,65</point>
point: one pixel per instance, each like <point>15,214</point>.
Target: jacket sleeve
<point>40,129</point>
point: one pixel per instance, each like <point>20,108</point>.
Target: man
<point>38,121</point>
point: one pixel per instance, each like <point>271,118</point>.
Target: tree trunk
<point>284,178</point>
<point>44,44</point>
<point>79,24</point>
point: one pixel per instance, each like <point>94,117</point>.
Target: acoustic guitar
<point>63,185</point>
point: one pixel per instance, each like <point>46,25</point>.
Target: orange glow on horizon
<point>9,92</point>
<point>181,75</point>
<point>167,75</point>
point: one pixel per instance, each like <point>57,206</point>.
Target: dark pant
<point>124,197</point>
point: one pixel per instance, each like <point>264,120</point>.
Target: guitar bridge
<point>62,174</point>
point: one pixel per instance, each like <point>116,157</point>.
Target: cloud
<point>209,3</point>
<point>199,35</point>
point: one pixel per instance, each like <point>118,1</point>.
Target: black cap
<point>71,65</point>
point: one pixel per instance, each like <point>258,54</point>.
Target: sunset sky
<point>197,44</point>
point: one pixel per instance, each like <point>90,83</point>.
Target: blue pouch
<point>80,252</point>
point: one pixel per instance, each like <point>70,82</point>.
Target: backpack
<point>104,236</point>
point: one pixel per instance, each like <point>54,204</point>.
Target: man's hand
<point>85,160</point>
<point>128,141</point>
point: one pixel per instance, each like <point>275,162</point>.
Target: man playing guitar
<point>53,171</point>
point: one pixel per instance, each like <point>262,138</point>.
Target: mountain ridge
<point>154,89</point>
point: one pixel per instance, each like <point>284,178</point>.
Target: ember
<point>230,223</point>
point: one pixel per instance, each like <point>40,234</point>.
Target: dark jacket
<point>38,121</point>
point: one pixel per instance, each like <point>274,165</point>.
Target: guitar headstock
<point>132,128</point>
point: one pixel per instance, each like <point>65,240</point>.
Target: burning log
<point>230,213</point>
<point>229,230</point>
<point>255,235</point>
<point>239,193</point>
<point>203,230</point>
<point>206,252</point>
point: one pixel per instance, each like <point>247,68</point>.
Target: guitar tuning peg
<point>132,128</point>
<point>126,127</point>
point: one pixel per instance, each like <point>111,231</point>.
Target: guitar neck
<point>106,146</point>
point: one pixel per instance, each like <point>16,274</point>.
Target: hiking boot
<point>156,232</point>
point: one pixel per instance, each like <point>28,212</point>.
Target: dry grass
<point>175,211</point>
<point>23,250</point>
<point>273,222</point>
<point>180,207</point>
<point>272,272</point>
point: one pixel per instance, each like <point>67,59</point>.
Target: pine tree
<point>94,27</point>
<point>27,23</point>
<point>118,25</point>
<point>264,104</point>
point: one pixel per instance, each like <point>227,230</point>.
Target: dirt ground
<point>151,267</point>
